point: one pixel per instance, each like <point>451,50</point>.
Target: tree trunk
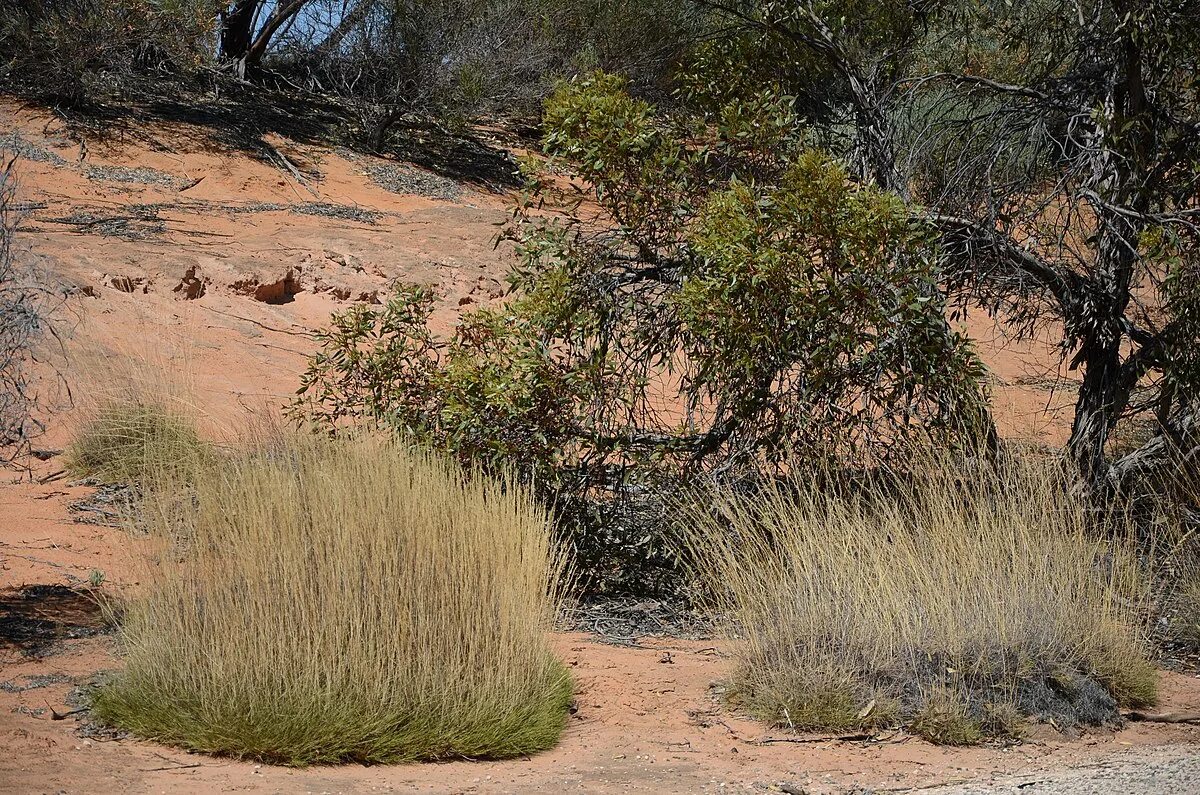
<point>875,138</point>
<point>1118,165</point>
<point>1094,412</point>
<point>237,30</point>
<point>284,11</point>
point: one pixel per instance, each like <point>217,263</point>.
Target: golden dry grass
<point>136,441</point>
<point>343,600</point>
<point>1180,614</point>
<point>951,603</point>
<point>135,418</point>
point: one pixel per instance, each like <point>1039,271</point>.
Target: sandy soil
<point>210,268</point>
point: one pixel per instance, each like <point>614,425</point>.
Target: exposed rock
<point>127,284</point>
<point>345,293</point>
<point>345,260</point>
<point>278,291</point>
<point>343,276</point>
<point>192,285</point>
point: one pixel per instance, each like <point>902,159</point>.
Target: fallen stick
<point>192,184</point>
<point>295,172</point>
<point>172,767</point>
<point>1164,717</point>
<point>53,476</point>
<point>839,738</point>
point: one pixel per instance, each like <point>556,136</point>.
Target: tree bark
<point>1094,411</point>
<point>237,30</point>
<point>1118,165</point>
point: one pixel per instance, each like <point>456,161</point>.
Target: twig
<point>171,767</point>
<point>192,184</point>
<point>840,738</point>
<point>53,476</point>
<point>937,785</point>
<point>291,168</point>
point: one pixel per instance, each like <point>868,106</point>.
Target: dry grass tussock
<point>343,600</point>
<point>136,420</point>
<point>957,603</point>
<point>137,441</point>
<point>1180,615</point>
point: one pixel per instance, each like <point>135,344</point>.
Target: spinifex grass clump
<point>342,601</point>
<point>136,440</point>
<point>956,603</point>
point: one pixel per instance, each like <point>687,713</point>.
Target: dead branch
<point>802,740</point>
<point>1163,717</point>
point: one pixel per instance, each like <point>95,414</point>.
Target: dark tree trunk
<point>1094,412</point>
<point>241,45</point>
<point>237,30</point>
<point>1119,165</point>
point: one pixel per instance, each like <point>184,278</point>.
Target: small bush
<point>136,441</point>
<point>345,601</point>
<point>944,718</point>
<point>966,597</point>
<point>697,325</point>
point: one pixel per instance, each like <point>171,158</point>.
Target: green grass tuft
<point>944,719</point>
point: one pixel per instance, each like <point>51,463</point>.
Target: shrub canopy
<point>713,296</point>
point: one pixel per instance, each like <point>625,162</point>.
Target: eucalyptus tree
<point>1055,145</point>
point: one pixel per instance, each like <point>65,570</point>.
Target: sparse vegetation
<point>343,600</point>
<point>1179,619</point>
<point>385,60</point>
<point>951,603</point>
<point>733,363</point>
<point>27,308</point>
<point>739,300</point>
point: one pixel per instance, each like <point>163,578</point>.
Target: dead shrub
<point>84,50</point>
<point>29,308</point>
